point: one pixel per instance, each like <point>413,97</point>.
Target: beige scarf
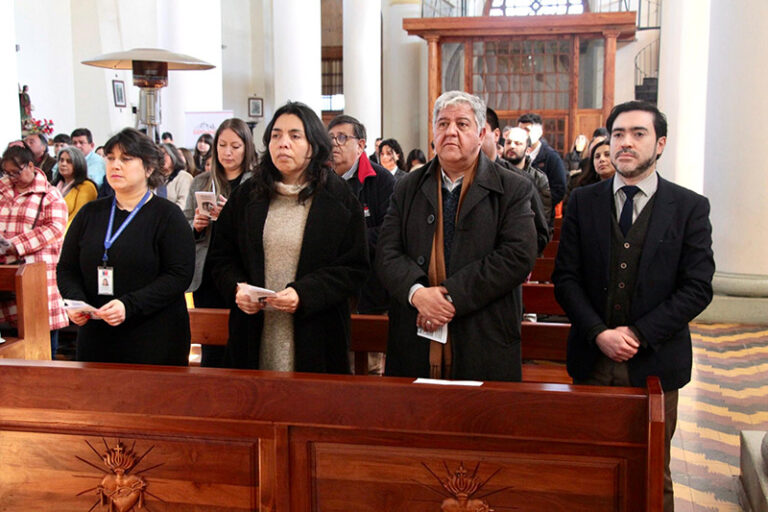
<point>440,354</point>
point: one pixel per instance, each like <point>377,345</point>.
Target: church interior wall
<point>9,82</point>
<point>733,147</point>
<point>45,64</point>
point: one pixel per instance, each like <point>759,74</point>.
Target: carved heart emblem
<point>122,492</point>
<point>464,505</point>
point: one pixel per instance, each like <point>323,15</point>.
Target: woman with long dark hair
<point>294,228</point>
<point>232,159</point>
<point>599,166</point>
<point>416,158</point>
<point>72,181</point>
<point>203,148</point>
<point>131,256</point>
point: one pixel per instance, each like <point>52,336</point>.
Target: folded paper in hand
<point>78,306</point>
<point>254,292</point>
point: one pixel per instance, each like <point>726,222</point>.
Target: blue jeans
<point>54,343</point>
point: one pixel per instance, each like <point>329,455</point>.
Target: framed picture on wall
<point>118,93</point>
<point>256,107</point>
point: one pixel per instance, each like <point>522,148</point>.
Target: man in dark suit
<point>455,247</point>
<point>634,267</point>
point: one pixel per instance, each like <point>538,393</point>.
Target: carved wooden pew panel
<point>213,440</point>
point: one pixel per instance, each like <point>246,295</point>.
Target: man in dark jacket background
<point>455,247</point>
<point>540,209</point>
<point>544,158</point>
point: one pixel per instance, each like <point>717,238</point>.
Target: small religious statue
<point>25,104</point>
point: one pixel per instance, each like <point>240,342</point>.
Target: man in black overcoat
<point>455,247</point>
<point>634,267</point>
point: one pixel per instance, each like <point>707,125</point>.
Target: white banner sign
<point>198,123</point>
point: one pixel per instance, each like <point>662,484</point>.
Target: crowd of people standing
<point>143,276</point>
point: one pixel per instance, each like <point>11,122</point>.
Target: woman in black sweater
<point>131,256</point>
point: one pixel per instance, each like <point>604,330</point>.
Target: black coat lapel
<point>428,185</point>
<point>662,217</point>
<point>601,215</point>
<point>255,217</point>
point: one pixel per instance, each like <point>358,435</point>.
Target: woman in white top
<point>178,180</point>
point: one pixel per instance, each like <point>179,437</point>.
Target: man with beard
<point>544,158</point>
<point>634,267</point>
<point>516,154</point>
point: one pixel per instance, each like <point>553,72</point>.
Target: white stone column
<point>735,171</point>
<point>10,121</point>
<point>297,52</point>
<point>404,76</point>
<point>362,65</point>
<point>683,64</point>
<point>192,27</point>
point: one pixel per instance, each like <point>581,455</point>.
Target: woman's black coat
<point>333,265</point>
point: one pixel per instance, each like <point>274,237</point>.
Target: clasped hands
<point>435,310</point>
<point>113,312</point>
<point>619,344</point>
<point>286,301</point>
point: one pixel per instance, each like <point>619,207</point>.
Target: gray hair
<point>453,97</point>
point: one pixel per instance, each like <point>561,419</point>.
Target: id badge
<point>106,280</point>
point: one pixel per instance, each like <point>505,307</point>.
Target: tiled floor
<point>728,393</point>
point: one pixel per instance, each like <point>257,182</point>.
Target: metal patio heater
<point>150,73</point>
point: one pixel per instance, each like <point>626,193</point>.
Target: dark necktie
<point>625,219</point>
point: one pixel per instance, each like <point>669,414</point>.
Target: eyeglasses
<point>342,138</point>
<point>14,173</point>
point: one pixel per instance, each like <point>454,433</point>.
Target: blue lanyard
<point>109,239</point>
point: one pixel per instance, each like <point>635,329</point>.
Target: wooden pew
<point>540,299</point>
<point>542,270</point>
<point>550,251</point>
<point>369,334</point>
<point>231,440</point>
<point>33,337</point>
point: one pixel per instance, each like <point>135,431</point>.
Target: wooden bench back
<point>29,284</point>
<point>540,341</point>
<point>234,441</point>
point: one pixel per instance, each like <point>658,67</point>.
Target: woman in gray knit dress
<point>297,229</point>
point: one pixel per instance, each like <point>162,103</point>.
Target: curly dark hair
<point>395,146</point>
<point>134,143</point>
<point>316,174</point>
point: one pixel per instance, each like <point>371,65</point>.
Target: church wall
<point>735,177</point>
<point>236,56</point>
<point>404,76</point>
<point>44,60</point>
<point>9,89</point>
